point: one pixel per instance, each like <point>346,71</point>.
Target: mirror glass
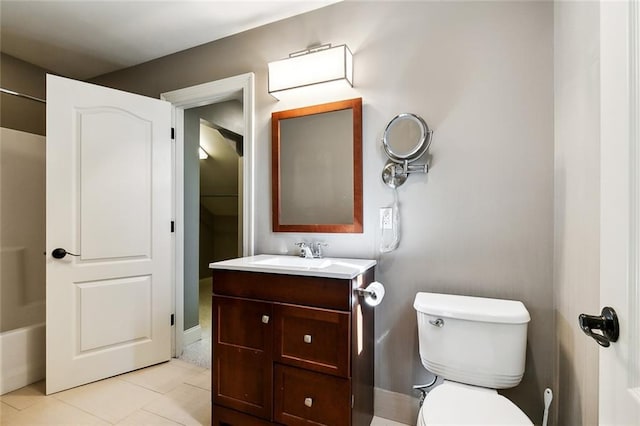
<point>317,168</point>
<point>405,138</point>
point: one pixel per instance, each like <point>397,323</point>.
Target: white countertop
<point>330,267</point>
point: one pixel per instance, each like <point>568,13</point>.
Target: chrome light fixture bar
<point>315,65</point>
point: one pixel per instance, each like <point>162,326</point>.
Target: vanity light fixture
<point>202,153</point>
<point>315,65</point>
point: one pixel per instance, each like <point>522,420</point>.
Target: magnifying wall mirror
<point>406,138</point>
<point>317,168</point>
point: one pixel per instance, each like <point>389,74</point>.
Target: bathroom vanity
<point>292,342</point>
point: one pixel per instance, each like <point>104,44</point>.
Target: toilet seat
<point>454,403</point>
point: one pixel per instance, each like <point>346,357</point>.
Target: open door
<point>620,212</point>
<point>109,242</point>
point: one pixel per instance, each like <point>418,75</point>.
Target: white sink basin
<point>294,262</point>
<point>294,265</point>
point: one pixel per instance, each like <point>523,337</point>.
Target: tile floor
<point>172,393</point>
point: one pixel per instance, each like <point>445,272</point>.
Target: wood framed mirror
<point>316,175</point>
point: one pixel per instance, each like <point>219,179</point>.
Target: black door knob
<point>606,323</point>
<point>59,253</point>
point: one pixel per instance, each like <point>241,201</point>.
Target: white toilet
<point>477,345</point>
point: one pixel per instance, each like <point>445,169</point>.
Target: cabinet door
<point>242,355</point>
<point>312,338</point>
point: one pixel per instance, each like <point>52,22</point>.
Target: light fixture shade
<point>202,154</point>
<point>320,66</point>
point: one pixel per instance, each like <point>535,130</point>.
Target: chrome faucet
<point>315,251</point>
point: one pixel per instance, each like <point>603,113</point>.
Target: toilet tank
<point>472,340</point>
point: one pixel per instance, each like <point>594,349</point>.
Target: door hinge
<point>173,319</point>
<point>173,133</point>
<point>173,226</point>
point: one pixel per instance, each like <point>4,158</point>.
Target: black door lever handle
<point>59,253</point>
<point>607,323</point>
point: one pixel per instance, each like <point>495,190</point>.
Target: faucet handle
<point>305,250</point>
<point>302,245</point>
<point>317,248</point>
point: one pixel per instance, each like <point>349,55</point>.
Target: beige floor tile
<point>379,421</point>
<point>112,399</point>
<point>202,380</point>
<point>145,418</point>
<point>50,411</point>
<point>188,405</point>
<point>186,365</point>
<point>164,377</point>
<point>7,413</point>
<point>25,397</point>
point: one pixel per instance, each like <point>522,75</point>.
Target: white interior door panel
<point>109,204</point>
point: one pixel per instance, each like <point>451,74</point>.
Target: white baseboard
<point>191,335</point>
<point>395,406</point>
<point>22,359</point>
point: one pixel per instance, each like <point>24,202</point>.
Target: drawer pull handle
<point>307,338</point>
<point>308,402</point>
<point>265,319</point>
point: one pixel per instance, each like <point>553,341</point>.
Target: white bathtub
<point>22,357</point>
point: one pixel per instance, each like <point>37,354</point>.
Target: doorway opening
<point>213,169</point>
<point>213,197</point>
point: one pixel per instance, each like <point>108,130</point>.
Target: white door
<point>620,209</point>
<point>108,202</point>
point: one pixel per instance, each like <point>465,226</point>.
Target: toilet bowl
<point>454,403</point>
<point>477,345</point>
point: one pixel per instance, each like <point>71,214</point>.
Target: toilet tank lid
<point>471,308</point>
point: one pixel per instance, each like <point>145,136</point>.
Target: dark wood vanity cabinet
<point>291,350</point>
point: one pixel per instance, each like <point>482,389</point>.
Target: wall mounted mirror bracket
<point>406,139</point>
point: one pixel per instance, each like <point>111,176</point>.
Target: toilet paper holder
<point>372,294</point>
<point>366,292</point>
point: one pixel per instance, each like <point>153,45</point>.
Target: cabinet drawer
<point>330,293</point>
<point>304,397</point>
<point>311,338</point>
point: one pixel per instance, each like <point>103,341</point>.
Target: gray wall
<point>191,217</point>
<point>481,222</point>
<point>19,113</point>
<point>577,206</point>
<point>218,239</point>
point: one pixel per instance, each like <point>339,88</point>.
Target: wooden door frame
<point>192,97</point>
